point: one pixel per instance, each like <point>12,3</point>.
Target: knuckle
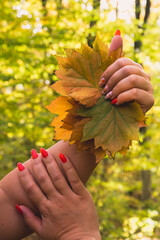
<point>44,206</point>
<point>75,180</point>
<point>69,168</point>
<point>29,188</point>
<point>127,70</point>
<point>41,178</point>
<point>56,177</point>
<point>121,62</point>
<point>133,80</point>
<point>135,93</point>
<point>35,162</point>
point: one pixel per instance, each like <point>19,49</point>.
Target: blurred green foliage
<point>31,34</point>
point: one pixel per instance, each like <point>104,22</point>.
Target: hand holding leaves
<point>85,117</point>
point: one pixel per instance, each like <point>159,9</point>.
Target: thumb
<point>31,220</point>
<point>116,42</point>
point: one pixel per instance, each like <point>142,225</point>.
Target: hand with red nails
<point>125,80</point>
<point>67,212</point>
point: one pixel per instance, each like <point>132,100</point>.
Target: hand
<point>125,80</point>
<point>66,212</point>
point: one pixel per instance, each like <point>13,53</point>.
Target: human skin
<point>139,88</point>
<point>66,213</point>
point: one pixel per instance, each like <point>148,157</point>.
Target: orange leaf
<point>103,50</point>
<point>80,75</point>
<point>59,105</point>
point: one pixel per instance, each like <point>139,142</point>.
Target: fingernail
<point>118,32</point>
<point>44,152</point>
<point>63,158</point>
<point>102,81</point>
<point>105,90</point>
<point>114,101</point>
<point>19,209</point>
<point>34,154</point>
<point>109,95</point>
<point>20,166</point>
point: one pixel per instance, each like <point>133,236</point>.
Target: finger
<point>55,174</point>
<point>41,175</point>
<point>73,178</point>
<point>33,222</point>
<point>117,42</point>
<point>123,73</point>
<point>142,97</point>
<point>132,81</point>
<point>34,193</point>
<point>116,66</point>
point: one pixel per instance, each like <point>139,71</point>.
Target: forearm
<point>84,163</point>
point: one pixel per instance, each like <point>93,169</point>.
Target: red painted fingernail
<point>118,32</point>
<point>44,152</point>
<point>20,166</point>
<point>19,209</point>
<point>114,101</point>
<point>63,158</point>
<point>34,154</point>
<point>101,82</point>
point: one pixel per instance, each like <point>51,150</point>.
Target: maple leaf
<point>80,75</point>
<point>81,70</point>
<point>69,125</point>
<point>112,127</point>
<point>103,50</point>
<point>60,106</point>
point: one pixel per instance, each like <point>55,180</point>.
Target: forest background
<point>125,190</point>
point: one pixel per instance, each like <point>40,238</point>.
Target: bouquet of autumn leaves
<point>85,117</point>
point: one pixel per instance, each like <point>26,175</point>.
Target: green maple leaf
<point>112,127</point>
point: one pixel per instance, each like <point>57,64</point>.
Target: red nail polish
<point>63,158</point>
<point>20,166</point>
<point>19,209</point>
<point>118,32</point>
<point>43,152</point>
<point>34,154</point>
<point>114,101</point>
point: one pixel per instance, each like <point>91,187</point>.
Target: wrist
<point>90,238</point>
<point>94,236</point>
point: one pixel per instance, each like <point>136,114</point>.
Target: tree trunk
<point>44,2</point>
<point>138,42</point>
<point>146,184</point>
<point>96,5</point>
<point>145,174</point>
